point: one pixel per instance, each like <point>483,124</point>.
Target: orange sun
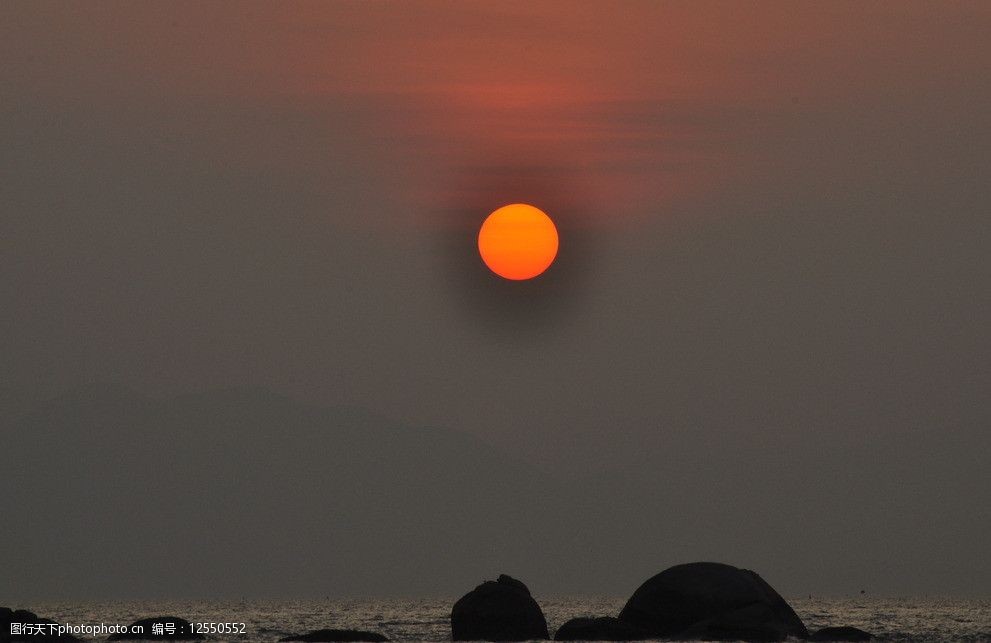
<point>518,241</point>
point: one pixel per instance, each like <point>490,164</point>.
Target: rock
<point>500,610</point>
<point>319,636</point>
<point>603,628</point>
<point>9,617</point>
<point>174,629</point>
<point>755,622</point>
<point>711,601</point>
<point>844,633</point>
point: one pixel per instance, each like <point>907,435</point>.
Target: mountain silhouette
<point>246,492</point>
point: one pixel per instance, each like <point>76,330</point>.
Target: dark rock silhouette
<point>8,617</point>
<point>175,629</point>
<point>756,622</point>
<point>320,636</point>
<point>711,601</point>
<point>844,633</point>
<point>500,610</point>
<point>603,628</point>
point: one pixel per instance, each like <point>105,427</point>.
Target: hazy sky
<point>774,276</point>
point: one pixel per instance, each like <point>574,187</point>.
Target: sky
<point>770,309</point>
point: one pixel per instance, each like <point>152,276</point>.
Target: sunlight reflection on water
<point>428,619</point>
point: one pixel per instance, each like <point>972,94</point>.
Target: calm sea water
<point>428,619</point>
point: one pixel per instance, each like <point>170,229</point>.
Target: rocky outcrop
<point>33,628</point>
<point>158,628</point>
<point>711,601</point>
<point>603,628</point>
<point>843,633</point>
<point>500,610</point>
<point>752,623</point>
<point>328,636</point>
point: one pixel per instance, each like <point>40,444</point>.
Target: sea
<point>891,619</point>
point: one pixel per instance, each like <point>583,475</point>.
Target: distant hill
<point>243,492</point>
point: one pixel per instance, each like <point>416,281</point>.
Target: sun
<point>518,241</point>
